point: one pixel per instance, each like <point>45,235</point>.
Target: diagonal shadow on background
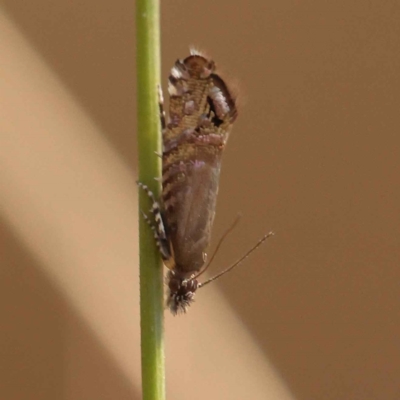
<point>86,44</point>
<point>42,339</point>
<point>309,323</point>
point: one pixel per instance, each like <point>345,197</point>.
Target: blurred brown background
<point>314,314</point>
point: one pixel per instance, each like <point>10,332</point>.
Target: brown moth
<point>201,113</point>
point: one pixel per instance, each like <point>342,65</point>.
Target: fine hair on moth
<point>202,111</point>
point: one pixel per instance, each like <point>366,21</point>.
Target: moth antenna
<point>258,244</point>
<point>227,232</point>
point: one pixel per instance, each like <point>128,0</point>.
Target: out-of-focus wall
<point>314,156</point>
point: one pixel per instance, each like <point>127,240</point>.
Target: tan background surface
<point>314,155</point>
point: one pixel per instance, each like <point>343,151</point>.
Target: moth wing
<point>191,218</point>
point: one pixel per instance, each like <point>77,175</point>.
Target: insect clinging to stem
<point>201,113</point>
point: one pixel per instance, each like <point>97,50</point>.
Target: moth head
<point>195,66</point>
<point>181,291</point>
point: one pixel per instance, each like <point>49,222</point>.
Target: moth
<point>202,110</point>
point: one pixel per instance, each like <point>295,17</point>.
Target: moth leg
<point>158,228</point>
<point>161,244</point>
<point>161,108</point>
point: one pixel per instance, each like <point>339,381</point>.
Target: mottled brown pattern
<point>201,112</point>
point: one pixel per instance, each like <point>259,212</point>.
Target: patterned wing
<point>201,113</point>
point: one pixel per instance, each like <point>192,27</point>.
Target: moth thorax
<point>181,292</point>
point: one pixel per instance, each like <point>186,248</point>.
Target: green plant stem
<point>151,273</point>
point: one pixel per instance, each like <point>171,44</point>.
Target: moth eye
<point>181,177</point>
